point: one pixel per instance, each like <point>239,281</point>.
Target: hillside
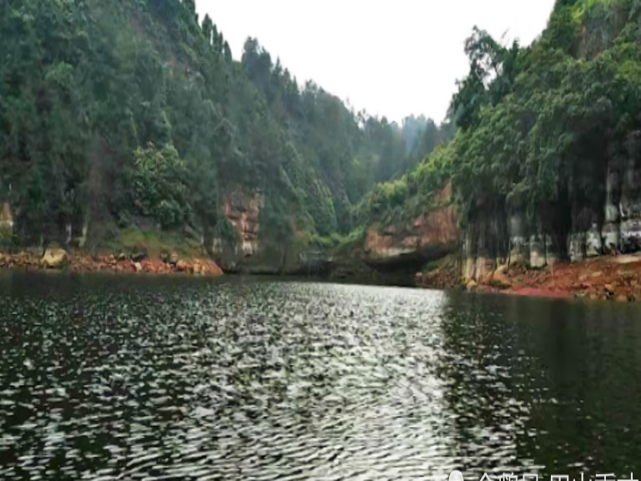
<point>128,125</point>
<point>545,164</point>
<point>126,121</point>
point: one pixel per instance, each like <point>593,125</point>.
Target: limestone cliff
<point>571,229</point>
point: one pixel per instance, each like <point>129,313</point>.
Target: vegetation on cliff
<point>126,114</point>
<point>541,130</point>
<point>132,113</point>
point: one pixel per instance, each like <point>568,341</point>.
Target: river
<point>105,377</point>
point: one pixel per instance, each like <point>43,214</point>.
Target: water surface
<point>198,379</point>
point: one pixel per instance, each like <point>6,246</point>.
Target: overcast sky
<point>392,58</point>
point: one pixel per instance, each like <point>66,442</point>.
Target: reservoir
<point>149,378</point>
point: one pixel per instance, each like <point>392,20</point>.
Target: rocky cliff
<point>431,236</point>
<point>577,227</point>
<point>6,222</point>
<point>249,252</point>
<point>242,210</point>
<point>401,246</point>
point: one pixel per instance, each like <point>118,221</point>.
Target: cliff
<point>545,166</point>
<point>566,230</point>
<point>242,210</point>
<point>402,246</point>
<point>6,222</point>
<point>252,248</point>
<point>158,138</point>
<point>431,236</point>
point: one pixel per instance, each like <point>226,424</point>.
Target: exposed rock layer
<point>249,253</point>
<point>579,226</point>
<point>431,236</point>
<point>6,221</point>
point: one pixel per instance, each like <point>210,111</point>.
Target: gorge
<point>170,146</point>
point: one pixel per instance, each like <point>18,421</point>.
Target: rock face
<point>182,266</point>
<point>54,257</point>
<point>242,210</point>
<point>579,226</point>
<point>431,236</point>
<point>249,254</point>
<point>6,221</point>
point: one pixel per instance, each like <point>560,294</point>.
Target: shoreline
<point>604,278</point>
<point>82,262</point>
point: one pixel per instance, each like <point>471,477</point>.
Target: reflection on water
<point>147,378</point>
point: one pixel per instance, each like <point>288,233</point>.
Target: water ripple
<point>158,380</point>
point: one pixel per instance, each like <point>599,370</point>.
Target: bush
<point>160,185</point>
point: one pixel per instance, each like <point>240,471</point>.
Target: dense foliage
<point>540,128</point>
<point>132,111</point>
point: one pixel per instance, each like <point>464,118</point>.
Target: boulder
<point>182,266</point>
<point>621,296</point>
<point>138,266</point>
<point>502,269</point>
<point>54,257</point>
<point>213,269</point>
<point>500,279</point>
<point>140,256</point>
<point>471,286</point>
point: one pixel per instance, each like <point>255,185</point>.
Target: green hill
<point>546,156</point>
<point>131,114</point>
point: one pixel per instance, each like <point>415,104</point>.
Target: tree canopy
<point>539,127</point>
<point>128,111</point>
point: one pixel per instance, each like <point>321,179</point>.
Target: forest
<point>547,135</point>
<point>132,113</point>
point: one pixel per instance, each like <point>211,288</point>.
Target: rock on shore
<point>614,278</point>
<point>57,258</point>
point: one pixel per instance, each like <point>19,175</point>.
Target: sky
<point>392,58</point>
